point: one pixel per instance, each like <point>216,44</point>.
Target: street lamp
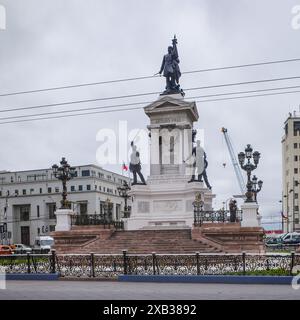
<point>123,192</point>
<point>249,167</point>
<point>64,173</point>
<point>198,209</point>
<point>256,187</point>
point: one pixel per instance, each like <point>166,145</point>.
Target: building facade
<point>28,200</point>
<point>291,173</point>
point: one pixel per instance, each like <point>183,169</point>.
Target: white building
<point>291,173</point>
<point>28,199</point>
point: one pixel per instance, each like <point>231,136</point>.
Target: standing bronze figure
<point>170,70</point>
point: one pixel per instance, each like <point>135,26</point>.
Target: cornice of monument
<point>167,104</point>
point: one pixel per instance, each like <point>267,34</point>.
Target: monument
<point>165,200</point>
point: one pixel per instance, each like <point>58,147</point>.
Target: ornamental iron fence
<point>112,265</point>
<point>220,216</point>
<point>96,219</point>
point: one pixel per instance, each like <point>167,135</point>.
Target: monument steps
<point>143,242</point>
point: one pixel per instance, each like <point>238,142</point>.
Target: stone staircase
<point>141,241</point>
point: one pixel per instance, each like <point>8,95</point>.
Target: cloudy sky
<point>54,43</point>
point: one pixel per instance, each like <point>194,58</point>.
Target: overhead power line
<point>146,94</point>
<point>135,108</point>
<point>148,102</point>
<point>147,77</point>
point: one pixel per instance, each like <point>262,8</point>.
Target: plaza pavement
<point>113,290</point>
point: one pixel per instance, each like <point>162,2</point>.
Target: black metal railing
<point>220,216</point>
<point>96,219</point>
<point>112,265</point>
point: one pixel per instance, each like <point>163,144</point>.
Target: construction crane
<point>234,161</point>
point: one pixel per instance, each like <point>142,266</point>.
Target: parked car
<point>274,240</point>
<point>43,244</point>
<point>291,239</point>
<point>5,249</point>
<point>21,249</point>
<point>285,239</point>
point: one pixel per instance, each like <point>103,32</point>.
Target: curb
<point>209,279</point>
<point>32,276</point>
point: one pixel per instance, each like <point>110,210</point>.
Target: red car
<point>5,250</point>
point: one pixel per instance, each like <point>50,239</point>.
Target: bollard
<point>197,263</point>
<point>244,262</point>
<point>125,261</point>
<point>92,265</point>
<point>292,262</point>
<point>53,261</point>
<point>28,263</point>
<point>153,262</point>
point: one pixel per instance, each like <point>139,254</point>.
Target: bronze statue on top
<point>170,70</point>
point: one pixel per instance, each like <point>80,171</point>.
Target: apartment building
<point>28,199</point>
<point>291,173</point>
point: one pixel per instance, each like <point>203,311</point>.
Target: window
<point>108,177</point>
<point>49,190</point>
<point>24,213</point>
<point>38,211</point>
<point>57,190</point>
<point>80,188</point>
<point>31,191</point>
<point>296,195</point>
<point>295,158</point>
<point>295,170</point>
<point>41,190</point>
<point>24,191</point>
<point>85,173</point>
<point>88,187</point>
<point>296,127</point>
<point>37,177</point>
<point>83,208</point>
<point>295,145</point>
<point>72,188</point>
<point>51,228</point>
<point>51,210</point>
<point>16,192</point>
<point>38,231</point>
<point>296,208</point>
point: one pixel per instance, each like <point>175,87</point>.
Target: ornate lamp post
<point>64,173</point>
<point>249,167</point>
<point>256,187</point>
<point>198,209</point>
<point>123,192</point>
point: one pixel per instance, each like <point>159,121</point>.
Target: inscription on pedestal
<point>167,206</point>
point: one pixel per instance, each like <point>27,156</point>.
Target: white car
<point>21,249</point>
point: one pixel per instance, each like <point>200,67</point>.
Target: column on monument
<point>154,152</point>
<point>187,149</point>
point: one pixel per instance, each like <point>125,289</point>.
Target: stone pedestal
<point>165,203</point>
<point>63,219</point>
<point>251,218</point>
